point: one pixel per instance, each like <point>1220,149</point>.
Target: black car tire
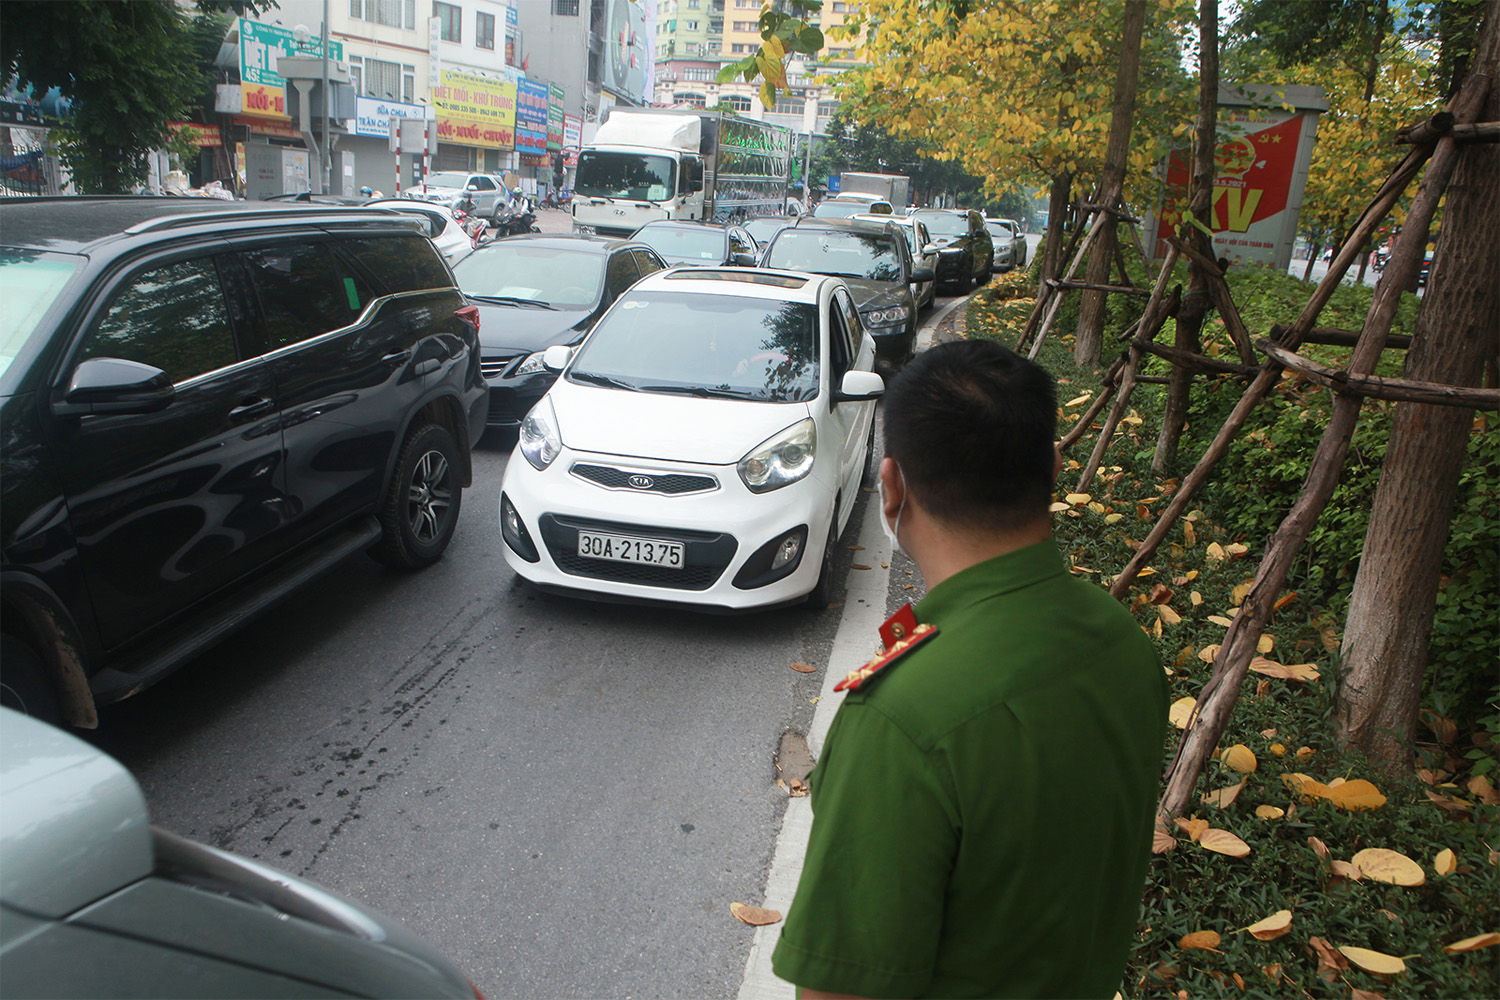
<point>24,685</point>
<point>421,509</point>
<point>822,593</point>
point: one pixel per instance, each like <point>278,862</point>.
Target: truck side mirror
<point>694,171</point>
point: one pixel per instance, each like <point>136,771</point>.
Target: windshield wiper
<point>512,300</point>
<point>594,378</point>
<point>701,391</point>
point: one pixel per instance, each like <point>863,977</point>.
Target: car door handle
<point>398,358</point>
<point>251,407</point>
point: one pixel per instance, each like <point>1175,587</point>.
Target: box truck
<point>894,188</point>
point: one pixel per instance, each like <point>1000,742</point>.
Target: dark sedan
<point>537,291</point>
<point>699,244</point>
<point>965,250</point>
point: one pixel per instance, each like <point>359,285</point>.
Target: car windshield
<point>637,176</point>
<point>945,224</point>
<point>448,179</point>
<point>713,345</point>
<point>680,244</point>
<point>848,255</point>
<point>997,228</point>
<point>839,209</point>
<point>764,228</point>
<point>30,281</point>
<point>522,271</point>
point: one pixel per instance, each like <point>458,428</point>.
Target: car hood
<point>511,329</point>
<point>666,428</point>
<point>877,294</point>
<point>73,822</point>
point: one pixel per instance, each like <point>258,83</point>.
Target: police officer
<point>983,806</point>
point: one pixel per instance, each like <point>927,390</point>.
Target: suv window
<point>739,242</point>
<point>302,293</point>
<point>620,275</point>
<point>401,263</point>
<point>840,341</point>
<point>647,262</point>
<point>171,317</point>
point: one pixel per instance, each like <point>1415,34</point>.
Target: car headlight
<point>884,317</point>
<point>539,440</point>
<point>531,366</point>
<point>781,459</point>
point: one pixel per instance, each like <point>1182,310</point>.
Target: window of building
<point>790,105</point>
<point>357,9</point>
<point>697,100</point>
<point>382,79</point>
<point>738,102</point>
<point>408,83</point>
<point>450,21</point>
<point>839,7</point>
<point>692,4</point>
<point>743,4</point>
<point>735,47</point>
<point>746,26</point>
<point>357,74</point>
<point>827,109</point>
<point>484,30</point>
<point>714,48</point>
<point>565,8</point>
<point>691,25</point>
<point>698,73</point>
<point>393,13</point>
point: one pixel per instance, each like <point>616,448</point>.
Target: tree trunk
<point>1312,258</point>
<point>1087,346</point>
<point>1195,303</point>
<point>1395,592</point>
<point>1057,217</point>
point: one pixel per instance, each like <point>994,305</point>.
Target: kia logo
<point>619,211</point>
<point>642,482</point>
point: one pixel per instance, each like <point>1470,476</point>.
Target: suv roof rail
<point>161,222</point>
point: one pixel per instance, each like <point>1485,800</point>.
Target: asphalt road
<point>562,796</point>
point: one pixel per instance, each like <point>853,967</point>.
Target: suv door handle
<point>397,359</point>
<point>251,407</point>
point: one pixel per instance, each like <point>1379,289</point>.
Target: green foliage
<point>129,69</point>
<point>1191,889</point>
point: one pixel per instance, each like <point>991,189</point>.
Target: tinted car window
<point>566,279</point>
<point>676,243</point>
<point>849,255</point>
<point>647,263</point>
<point>621,273</point>
<point>401,263</point>
<point>739,242</point>
<point>946,224</point>
<point>172,318</point>
<point>302,293</point>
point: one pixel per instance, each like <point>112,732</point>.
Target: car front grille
<point>636,481</point>
<point>706,554</point>
<point>493,366</point>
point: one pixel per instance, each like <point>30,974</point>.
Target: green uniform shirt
<point>983,806</point>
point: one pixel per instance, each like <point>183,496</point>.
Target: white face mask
<point>886,526</point>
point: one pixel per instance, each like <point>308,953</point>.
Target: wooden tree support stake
<point>1196,362</point>
<point>1399,389</point>
<point>1117,289</point>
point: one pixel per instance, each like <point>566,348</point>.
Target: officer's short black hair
<point>973,426</point>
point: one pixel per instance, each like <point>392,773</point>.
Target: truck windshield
<point>635,176</point>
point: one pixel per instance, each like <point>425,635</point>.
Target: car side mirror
<point>858,386</point>
<point>114,385</point>
<point>930,248</point>
<point>556,357</point>
<point>743,260</point>
<point>472,187</point>
<point>923,274</point>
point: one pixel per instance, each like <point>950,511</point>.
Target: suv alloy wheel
<point>421,508</point>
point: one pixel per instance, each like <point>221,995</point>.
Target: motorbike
<point>557,199</point>
<point>471,223</point>
<point>515,221</point>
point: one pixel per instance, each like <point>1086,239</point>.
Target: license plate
<point>624,548</point>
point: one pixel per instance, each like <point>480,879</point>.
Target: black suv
<point>876,262</point>
<point>203,405</point>
<point>966,252</point>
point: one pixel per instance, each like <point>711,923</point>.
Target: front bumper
<point>512,396</point>
<point>728,534</point>
<point>952,266</point>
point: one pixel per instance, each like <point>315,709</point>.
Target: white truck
<point>646,164</point>
<point>894,188</point>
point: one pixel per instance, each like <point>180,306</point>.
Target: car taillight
<point>470,315</point>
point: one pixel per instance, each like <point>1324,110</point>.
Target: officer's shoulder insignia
<point>901,634</point>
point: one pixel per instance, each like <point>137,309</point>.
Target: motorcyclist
<point>366,192</point>
<point>518,203</point>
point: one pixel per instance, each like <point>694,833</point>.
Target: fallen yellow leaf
<point>1235,549</point>
<point>1193,827</point>
<point>1223,798</point>
<point>1278,749</point>
<point>1195,598</point>
<point>1373,961</point>
<point>1096,507</point>
<point>1076,498</point>
<point>803,668</point>
<point>1188,534</point>
<point>1220,620</point>
<point>1057,507</point>
<point>1078,399</point>
<point>1240,758</point>
<point>1319,848</point>
<point>1479,786</point>
<point>1271,927</point>
<point>1269,812</point>
<point>1471,943</point>
<point>1162,841</point>
<point>1215,552</point>
<point>1112,518</point>
<point>1385,865</point>
<point>1445,863</point>
<point>1355,795</point>
<point>1223,842</point>
<point>858,566</point>
<point>1330,962</point>
<point>1238,594</point>
<point>1203,940</point>
<point>1181,711</point>
<point>1265,644</point>
<point>1305,753</point>
<point>1365,995</point>
<point>1344,869</point>
<point>1207,653</point>
<point>1168,615</point>
<point>755,916</point>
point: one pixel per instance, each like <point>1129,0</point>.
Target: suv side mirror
<point>743,260</point>
<point>858,386</point>
<point>114,385</point>
<point>922,274</point>
<point>556,357</point>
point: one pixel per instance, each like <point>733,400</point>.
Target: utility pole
<point>325,155</point>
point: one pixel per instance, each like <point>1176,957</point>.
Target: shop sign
<point>262,88</point>
<point>373,117</point>
<point>203,135</point>
<point>532,106</point>
<point>268,126</point>
<point>556,97</point>
<point>475,111</point>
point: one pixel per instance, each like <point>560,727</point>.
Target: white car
<point>442,228</point>
<point>704,445</point>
